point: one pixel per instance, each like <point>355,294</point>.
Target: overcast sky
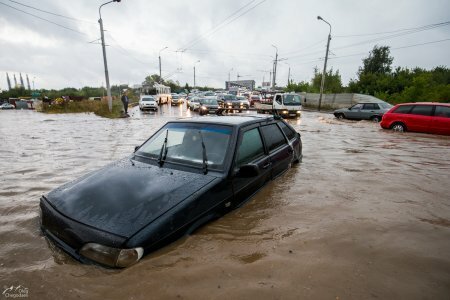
<point>228,37</point>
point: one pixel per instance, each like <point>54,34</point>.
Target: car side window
<point>442,111</point>
<point>403,109</point>
<point>251,147</point>
<point>278,99</point>
<point>273,136</point>
<point>369,106</point>
<point>423,110</point>
<point>287,131</point>
<point>356,107</point>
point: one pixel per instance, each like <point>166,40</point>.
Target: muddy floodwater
<point>366,215</point>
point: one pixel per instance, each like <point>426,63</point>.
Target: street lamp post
<point>159,56</point>
<point>325,63</point>
<point>194,71</point>
<point>275,67</point>
<point>108,88</point>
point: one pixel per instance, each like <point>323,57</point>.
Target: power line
<point>43,19</point>
<point>222,24</point>
<point>394,35</point>
<point>396,48</point>
<point>394,31</point>
<point>54,14</point>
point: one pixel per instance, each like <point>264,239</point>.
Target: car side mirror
<point>136,148</point>
<point>248,171</point>
<point>349,108</point>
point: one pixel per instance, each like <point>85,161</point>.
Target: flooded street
<point>366,215</point>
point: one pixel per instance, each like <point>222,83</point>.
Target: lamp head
<point>319,18</point>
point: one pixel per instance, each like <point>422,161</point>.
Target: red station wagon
<point>424,117</point>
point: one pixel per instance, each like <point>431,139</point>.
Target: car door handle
<point>266,165</point>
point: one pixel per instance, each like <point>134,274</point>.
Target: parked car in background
<point>148,103</point>
<point>363,111</point>
<point>208,105</point>
<point>226,100</point>
<point>424,117</point>
<point>194,103</point>
<point>240,103</point>
<point>176,100</point>
<point>7,106</point>
<point>254,98</point>
<point>186,174</point>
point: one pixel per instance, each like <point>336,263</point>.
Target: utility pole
<point>289,75</point>
<point>194,71</point>
<point>325,63</point>
<point>9,81</point>
<point>275,68</point>
<point>108,87</point>
<point>159,56</point>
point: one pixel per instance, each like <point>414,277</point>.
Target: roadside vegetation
<point>377,78</point>
<point>99,108</point>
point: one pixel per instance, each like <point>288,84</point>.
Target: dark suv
<point>186,174</point>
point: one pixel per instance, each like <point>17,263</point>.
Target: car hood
<point>123,197</point>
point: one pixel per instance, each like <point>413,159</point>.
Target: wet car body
<point>208,105</point>
<point>363,111</point>
<point>136,205</point>
<point>426,117</point>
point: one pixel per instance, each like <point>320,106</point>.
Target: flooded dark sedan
<point>188,173</point>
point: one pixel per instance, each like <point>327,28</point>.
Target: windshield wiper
<point>162,157</point>
<point>205,159</point>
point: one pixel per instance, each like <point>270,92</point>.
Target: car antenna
<point>205,159</point>
<point>161,158</point>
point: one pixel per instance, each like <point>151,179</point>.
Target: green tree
<point>378,62</point>
<point>333,82</point>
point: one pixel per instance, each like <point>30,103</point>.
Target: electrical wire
<point>43,19</point>
<point>222,24</point>
<point>48,12</point>
<point>394,31</point>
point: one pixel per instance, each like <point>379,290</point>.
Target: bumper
<point>70,235</point>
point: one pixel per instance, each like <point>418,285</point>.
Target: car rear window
<point>403,109</point>
<point>423,110</point>
<point>273,136</point>
<point>148,99</point>
<point>442,111</point>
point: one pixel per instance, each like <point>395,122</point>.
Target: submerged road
<point>366,215</point>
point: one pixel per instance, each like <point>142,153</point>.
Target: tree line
<point>377,78</point>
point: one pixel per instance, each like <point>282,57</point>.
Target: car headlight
<point>204,108</point>
<point>113,257</point>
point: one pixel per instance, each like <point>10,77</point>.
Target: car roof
<point>236,120</point>
<point>424,103</point>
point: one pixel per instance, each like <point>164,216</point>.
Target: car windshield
<point>148,99</point>
<point>241,98</point>
<point>209,101</point>
<point>184,144</point>
<point>175,97</point>
<point>229,97</point>
<point>292,100</point>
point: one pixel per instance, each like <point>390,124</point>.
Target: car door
<point>280,152</point>
<point>250,153</point>
<point>420,118</point>
<point>440,123</point>
<point>369,110</point>
<point>354,111</point>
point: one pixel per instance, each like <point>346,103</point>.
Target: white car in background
<point>148,103</point>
